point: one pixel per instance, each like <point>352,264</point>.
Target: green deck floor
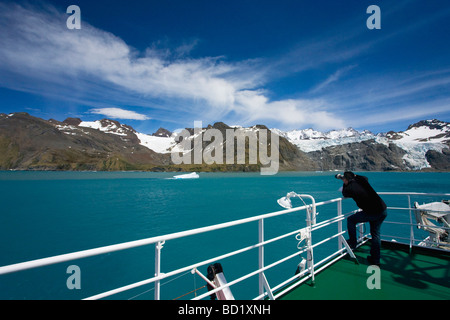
<point>402,276</point>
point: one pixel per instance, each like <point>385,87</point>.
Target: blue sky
<point>286,64</point>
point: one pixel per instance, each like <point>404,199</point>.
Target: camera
<point>339,176</point>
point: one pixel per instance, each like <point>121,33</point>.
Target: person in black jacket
<point>373,211</point>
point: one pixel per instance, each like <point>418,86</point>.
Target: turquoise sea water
<point>50,213</point>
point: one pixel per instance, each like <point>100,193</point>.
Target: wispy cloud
<point>399,92</point>
<point>117,113</point>
<point>332,78</point>
<point>42,56</point>
<point>93,67</point>
<point>410,113</point>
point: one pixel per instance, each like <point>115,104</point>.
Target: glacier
<point>417,140</point>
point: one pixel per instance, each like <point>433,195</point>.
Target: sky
<point>287,64</point>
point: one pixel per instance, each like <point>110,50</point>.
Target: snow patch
<point>157,144</point>
<point>111,127</point>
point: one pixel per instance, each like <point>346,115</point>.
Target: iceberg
<point>192,175</point>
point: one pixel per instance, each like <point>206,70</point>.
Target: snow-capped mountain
<point>416,141</point>
<point>31,143</point>
<point>160,143</point>
<point>108,126</point>
<point>419,139</point>
<point>423,132</point>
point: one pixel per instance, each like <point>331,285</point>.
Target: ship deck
<point>422,275</point>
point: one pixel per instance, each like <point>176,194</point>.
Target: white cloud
<point>291,112</point>
<point>43,56</point>
<point>117,113</point>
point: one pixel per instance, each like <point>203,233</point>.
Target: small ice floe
<point>192,175</point>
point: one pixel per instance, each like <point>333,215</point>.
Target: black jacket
<point>365,197</point>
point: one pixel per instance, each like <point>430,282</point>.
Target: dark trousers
<point>375,221</point>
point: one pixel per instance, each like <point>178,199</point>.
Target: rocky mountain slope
<point>30,143</point>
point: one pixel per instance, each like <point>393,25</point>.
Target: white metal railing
<point>264,289</point>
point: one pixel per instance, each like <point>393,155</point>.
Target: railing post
<point>158,247</point>
<point>360,232</point>
<point>261,255</point>
<point>411,235</point>
<point>310,251</point>
<point>339,213</point>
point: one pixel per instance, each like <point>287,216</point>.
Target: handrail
<point>159,240</point>
<point>137,243</point>
<point>415,194</point>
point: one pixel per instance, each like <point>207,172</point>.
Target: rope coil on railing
<point>195,290</point>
